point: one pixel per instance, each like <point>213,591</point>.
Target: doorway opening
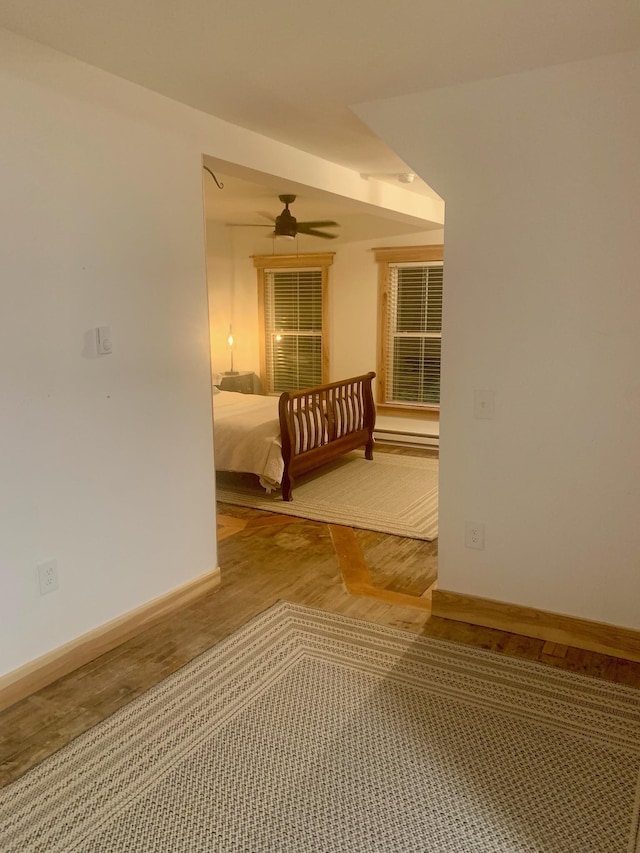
<point>239,226</point>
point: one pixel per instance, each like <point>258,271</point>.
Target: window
<point>410,323</point>
<point>293,320</point>
<point>293,328</point>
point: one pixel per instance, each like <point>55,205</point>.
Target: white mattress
<point>246,436</point>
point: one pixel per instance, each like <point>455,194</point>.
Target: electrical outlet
<point>474,535</point>
<point>48,577</point>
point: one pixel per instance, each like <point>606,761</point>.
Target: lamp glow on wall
<point>231,371</point>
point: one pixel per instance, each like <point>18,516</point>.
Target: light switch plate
<point>103,340</point>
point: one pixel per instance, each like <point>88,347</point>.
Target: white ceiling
<point>249,208</point>
<point>290,69</point>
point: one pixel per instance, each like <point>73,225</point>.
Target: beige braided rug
<point>390,494</point>
<point>308,732</point>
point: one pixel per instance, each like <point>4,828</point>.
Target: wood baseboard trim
<point>554,627</point>
<point>36,674</point>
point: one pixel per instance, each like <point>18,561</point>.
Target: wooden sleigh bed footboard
<point>320,424</point>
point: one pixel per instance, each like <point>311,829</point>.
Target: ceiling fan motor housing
<point>286,223</point>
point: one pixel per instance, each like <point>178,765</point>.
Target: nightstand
<point>243,381</point>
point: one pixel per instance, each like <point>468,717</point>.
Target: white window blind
<point>414,333</point>
<point>293,328</point>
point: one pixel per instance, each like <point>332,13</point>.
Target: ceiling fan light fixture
<point>286,225</point>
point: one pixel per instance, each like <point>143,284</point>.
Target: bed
<point>279,438</point>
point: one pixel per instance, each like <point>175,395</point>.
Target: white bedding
<point>246,436</point>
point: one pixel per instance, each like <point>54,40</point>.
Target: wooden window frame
<point>385,256</point>
<point>315,260</point>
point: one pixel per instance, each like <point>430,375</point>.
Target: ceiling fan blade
<point>313,233</point>
<point>320,224</point>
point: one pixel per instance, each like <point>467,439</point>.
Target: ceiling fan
<point>286,225</point>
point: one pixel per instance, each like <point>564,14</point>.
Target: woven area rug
<point>308,732</point>
<point>390,494</point>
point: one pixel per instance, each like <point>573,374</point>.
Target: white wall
<point>106,461</point>
<point>233,299</point>
<point>540,173</point>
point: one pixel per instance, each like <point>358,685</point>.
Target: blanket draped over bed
<point>246,434</point>
<point>279,438</point>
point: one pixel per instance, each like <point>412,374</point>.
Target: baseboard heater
<point>396,436</point>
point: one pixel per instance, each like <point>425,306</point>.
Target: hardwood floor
<point>265,557</point>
